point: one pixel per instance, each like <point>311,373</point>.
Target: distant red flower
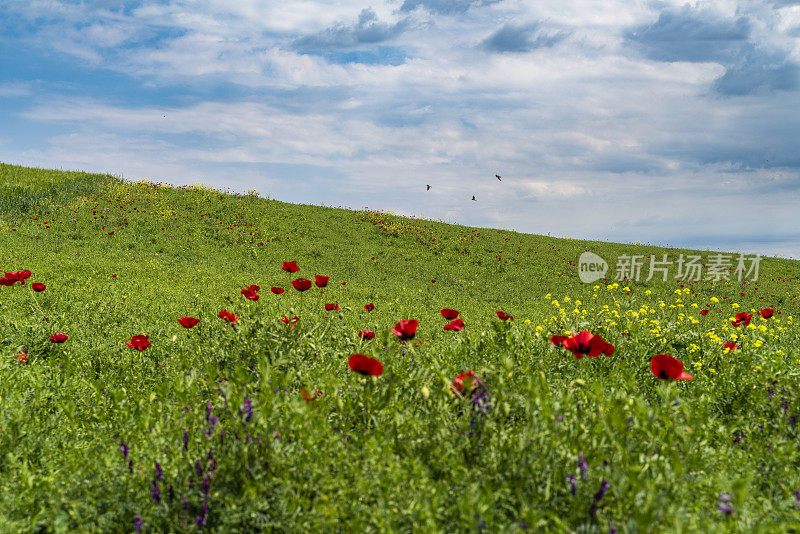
<point>58,338</point>
<point>5,281</point>
<point>344,283</point>
<point>111,232</point>
<point>731,346</point>
<point>742,318</point>
<point>766,313</point>
<point>586,343</point>
<point>291,321</point>
<point>464,381</point>
<point>406,329</point>
<point>558,340</point>
<point>314,395</point>
<point>365,365</point>
<point>301,284</point>
<point>38,287</point>
<point>277,290</point>
<point>366,334</point>
<point>188,322</point>
<point>666,367</point>
<point>290,266</point>
<point>228,316</point>
<point>24,274</point>
<point>250,293</point>
<point>433,281</point>
<point>456,324</point>
<point>703,312</point>
<point>21,357</point>
<point>113,276</point>
<point>331,307</point>
<point>503,316</point>
<point>369,307</point>
<point>138,342</point>
<point>320,280</point>
<point>449,314</point>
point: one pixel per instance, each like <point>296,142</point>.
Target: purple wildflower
<point>200,520</point>
<point>159,472</point>
<point>724,505</point>
<point>208,412</point>
<point>171,494</point>
<point>212,425</point>
<point>185,440</point>
<point>155,491</point>
<point>206,484</point>
<point>130,466</point>
<point>571,480</point>
<point>248,408</point>
<point>137,523</point>
<point>583,465</point>
<point>604,485</point>
<point>797,497</point>
<point>124,448</point>
<point>198,469</point>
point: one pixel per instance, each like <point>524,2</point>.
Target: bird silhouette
<point>429,188</point>
<point>498,177</point>
<point>473,197</point>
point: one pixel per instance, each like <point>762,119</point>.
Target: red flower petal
<point>301,284</point>
<point>365,365</point>
<point>320,280</point>
<point>188,322</point>
<point>406,329</point>
<point>449,314</point>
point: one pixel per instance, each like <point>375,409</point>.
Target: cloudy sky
<point>621,120</point>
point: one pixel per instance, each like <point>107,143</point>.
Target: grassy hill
<point>208,429</point>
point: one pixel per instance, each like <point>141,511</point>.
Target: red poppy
<point>21,357</point>
<point>315,394</point>
<point>587,343</point>
<point>365,365</point>
<point>331,307</point>
<point>366,334</point>
<point>731,346</point>
<point>406,329</point>
<point>449,314</point>
<point>290,266</point>
<point>464,381</point>
<point>703,312</point>
<point>138,342</point>
<point>38,287</point>
<point>291,321</point>
<point>666,367</point>
<point>369,307</point>
<point>558,340</point>
<point>767,313</point>
<point>228,316</point>
<point>249,293</point>
<point>456,324</point>
<point>320,280</point>
<point>277,290</point>
<point>301,284</point>
<point>742,318</point>
<point>503,316</point>
<point>188,322</point>
<point>58,338</point>
<point>5,281</point>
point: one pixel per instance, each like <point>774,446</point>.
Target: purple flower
<point>198,469</point>
<point>206,484</point>
<point>725,508</point>
<point>171,494</point>
<point>124,448</point>
<point>130,466</point>
<point>137,523</point>
<point>159,472</point>
<point>208,412</point>
<point>604,485</point>
<point>248,408</point>
<point>185,440</point>
<point>213,424</point>
<point>201,519</point>
<point>583,465</point>
<point>571,480</point>
<point>155,491</point>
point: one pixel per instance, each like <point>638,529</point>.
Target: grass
<point>396,452</point>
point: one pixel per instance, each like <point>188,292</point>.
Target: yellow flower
<point>566,299</point>
<point>758,343</point>
<point>626,288</point>
<point>694,305</point>
<point>710,370</point>
<point>538,329</point>
<point>547,296</point>
<point>698,365</point>
<point>734,305</point>
<point>527,321</point>
<point>714,299</point>
<point>648,292</point>
<point>555,303</point>
<point>678,291</point>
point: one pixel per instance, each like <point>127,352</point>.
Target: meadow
<point>476,406</point>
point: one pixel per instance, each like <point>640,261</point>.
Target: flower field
<point>181,359</point>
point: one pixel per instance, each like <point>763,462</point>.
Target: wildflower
<point>703,312</point>
<point>503,316</point>
<point>124,449</point>
<point>155,492</point>
<point>666,367</point>
<point>301,284</point>
<point>291,321</point>
<point>731,346</point>
<point>365,365</point>
<point>250,292</point>
<point>188,322</point>
<point>38,287</point>
<point>464,381</point>
<point>366,334</point>
<point>58,338</point>
<point>309,397</point>
<point>572,488</point>
<point>449,314</point>
<point>742,318</point>
<point>765,313</point>
<point>290,266</point>
<point>277,290</point>
<point>332,307</point>
<point>159,472</point>
<point>138,342</point>
<point>137,523</point>
<point>585,343</point>
<point>320,280</point>
<point>185,440</point>
<point>584,467</point>
<point>369,307</point>
<point>405,329</point>
<point>228,316</point>
<point>22,357</point>
<point>456,324</point>
<point>248,409</point>
<point>724,505</point>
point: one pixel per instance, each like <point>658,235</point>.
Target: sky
<point>659,122</point>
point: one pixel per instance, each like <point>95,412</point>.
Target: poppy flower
<point>558,340</point>
<point>456,324</point>
<point>742,318</point>
<point>503,316</point>
<point>291,321</point>
<point>138,342</point>
<point>314,395</point>
<point>369,307</point>
<point>290,266</point>
<point>463,381</point>
<point>732,346</point>
<point>767,313</point>
<point>449,314</point>
<point>58,338</point>
<point>249,293</point>
<point>301,284</point>
<point>587,343</point>
<point>38,287</point>
<point>406,329</point>
<point>666,367</point>
<point>5,281</point>
<point>320,280</point>
<point>228,316</point>
<point>277,290</point>
<point>365,365</point>
<point>331,307</point>
<point>188,322</point>
<point>22,357</point>
<point>366,334</point>
<point>703,312</point>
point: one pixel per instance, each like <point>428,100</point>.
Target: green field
<point>208,429</point>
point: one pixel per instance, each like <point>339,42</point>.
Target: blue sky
<point>657,121</point>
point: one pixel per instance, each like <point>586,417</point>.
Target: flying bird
<point>473,197</point>
<point>429,188</point>
<point>498,177</point>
